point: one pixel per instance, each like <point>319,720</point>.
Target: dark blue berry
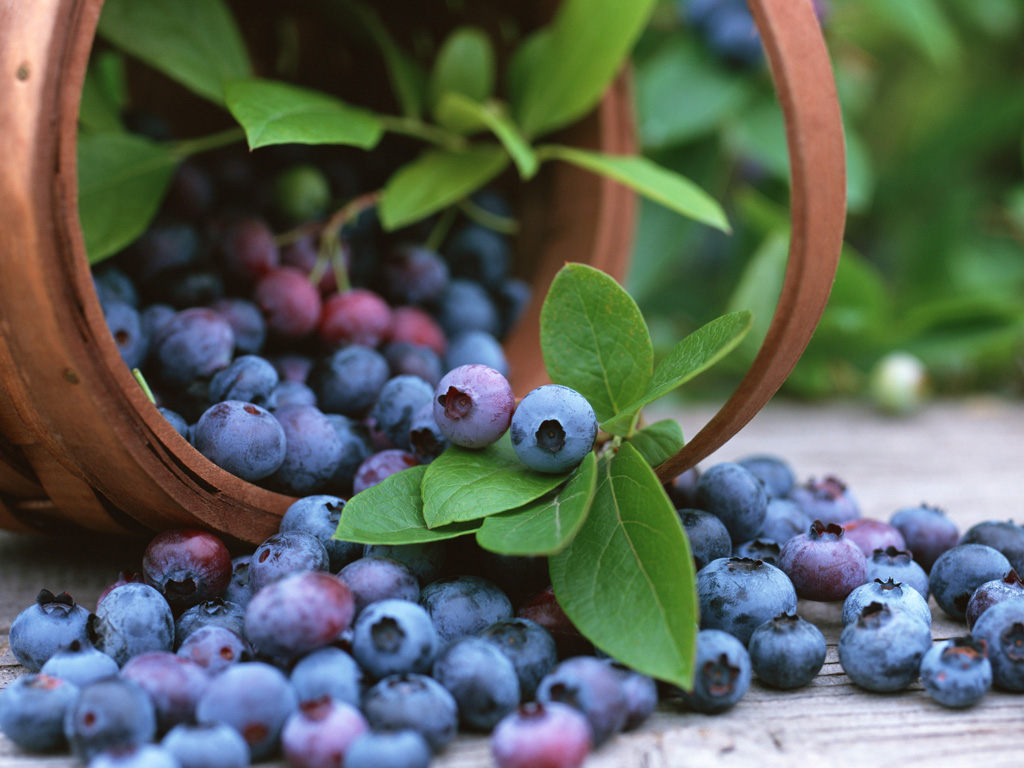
<point>426,440</point>
<point>1001,627</point>
<point>217,612</point>
<point>32,710</point>
<point>591,686</point>
<point>80,664</point>
<point>125,326</point>
<point>787,651</point>
<point>371,579</point>
<point>415,275</point>
<point>736,497</point>
<point>238,590</point>
<point>1005,536</point>
<point>956,672</point>
<point>290,393</point>
<point>721,673</point>
<point>426,560</point>
<point>349,381</point>
<point>327,672</point>
<point>783,519</point>
<point>466,306</point>
<point>133,619</point>
<point>285,553</point>
<point>641,693</point>
<point>957,572</point>
<point>406,358</point>
<point>399,400</point>
<point>109,713</point>
<point>242,438</point>
<point>529,647</point>
<point>882,650</point>
<point>355,449</point>
<point>927,531</point>
<point>464,605</point>
<point>388,749</point>
<point>248,378</point>
<point>393,637</point>
<point>475,348</point>
<point>414,702</point>
<point>897,596</point>
<point>477,253</point>
<point>891,563</point>
<point>312,450</point>
<point>737,595</point>
<point>826,499</point>
<point>215,745</point>
<point>214,648</point>
<point>174,684</point>
<point>1009,587</point>
<point>481,679</point>
<point>319,515</point>
<point>246,322</point>
<point>776,474</point>
<point>176,420</point>
<point>759,549</point>
<point>553,429</point>
<point>51,624</point>
<point>380,466</point>
<point>193,345</point>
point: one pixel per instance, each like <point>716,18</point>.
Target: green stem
<point>142,383</point>
<point>189,147</point>
<point>441,229</point>
<point>482,216</point>
<point>411,126</point>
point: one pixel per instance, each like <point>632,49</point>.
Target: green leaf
<point>659,441</point>
<point>694,354</point>
<point>459,112</point>
<point>588,43</point>
<point>464,65</point>
<point>391,512</point>
<point>194,42</point>
<point>463,484</point>
<point>103,94</point>
<point>273,112</point>
<point>122,181</point>
<point>627,579</point>
<point>922,23</point>
<point>547,525</point>
<point>594,339</point>
<point>648,179</point>
<point>759,287</point>
<point>437,179</point>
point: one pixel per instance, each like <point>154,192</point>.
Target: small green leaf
<point>464,65</point>
<point>273,112</point>
<point>547,525</point>
<point>627,580</point>
<point>391,512</point>
<point>194,42</point>
<point>694,354</point>
<point>659,441</point>
<point>587,45</point>
<point>594,339</point>
<point>103,94</point>
<point>463,484</point>
<point>461,113</point>
<point>648,179</point>
<point>437,179</point>
<point>122,181</point>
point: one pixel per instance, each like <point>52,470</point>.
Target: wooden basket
<point>80,445</point>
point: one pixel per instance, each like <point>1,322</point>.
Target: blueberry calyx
<point>532,710</point>
<point>819,530</point>
<point>46,599</point>
<point>965,650</point>
<point>387,635</point>
<point>874,615</point>
<point>744,564</point>
<point>1012,641</point>
<point>721,675</point>
<point>457,404</point>
<point>1011,578</point>
<point>890,583</point>
<point>317,709</point>
<point>551,436</point>
<point>892,554</point>
<point>180,590</point>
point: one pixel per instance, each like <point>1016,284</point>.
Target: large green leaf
<point>437,179</point>
<point>595,340</point>
<point>273,112</point>
<point>659,441</point>
<point>694,354</point>
<point>103,93</point>
<point>391,512</point>
<point>463,484</point>
<point>627,579</point>
<point>570,69</point>
<point>122,179</point>
<point>647,178</point>
<point>547,525</point>
<point>462,113</point>
<point>464,65</point>
<point>195,42</point>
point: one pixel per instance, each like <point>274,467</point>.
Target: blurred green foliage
<point>932,93</point>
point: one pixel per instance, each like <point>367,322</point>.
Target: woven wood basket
<point>80,445</point>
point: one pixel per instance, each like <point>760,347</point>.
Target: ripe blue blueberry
<point>285,553</point>
<point>591,686</point>
<point>247,323</point>
<point>318,734</point>
<point>822,564</point>
<point>927,531</point>
<point>312,450</point>
<point>32,710</point>
<point>49,625</point>
<point>709,538</point>
<point>133,619</point>
<point>776,474</point>
<point>641,693</point>
<point>243,438</point>
<point>214,648</point>
<point>481,679</point>
<point>109,713</point>
<point>193,345</point>
<point>135,756</point>
<point>290,393</point>
<point>394,636</point>
<point>349,381</point>
<point>126,328</point>
<point>466,306</point>
<point>319,515</point>
<point>414,702</point>
<point>549,734</point>
<point>882,650</point>
<point>1001,627</point>
<point>721,673</point>
<point>173,683</point>
<point>405,357</point>
<point>327,672</point>
<point>388,749</point>
<point>956,672</point>
<point>216,612</point>
<point>735,496</point>
<point>399,400</point>
<point>473,405</point>
<point>415,274</point>
<point>214,745</point>
<point>787,651</point>
<point>248,378</point>
<point>891,563</point>
<point>783,519</point>
<point>238,590</point>
<point>426,440</point>
<point>1003,535</point>
<point>464,605</point>
<point>478,253</point>
<point>426,560</point>
<point>80,664</point>
<point>958,571</point>
<point>826,499</point>
<point>380,466</point>
<point>379,578</point>
<point>529,647</point>
<point>475,348</point>
<point>553,429</point>
<point>1009,587</point>
<point>765,550</point>
<point>897,596</point>
<point>355,449</point>
<point>737,595</point>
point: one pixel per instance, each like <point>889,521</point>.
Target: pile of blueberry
<point>280,369</point>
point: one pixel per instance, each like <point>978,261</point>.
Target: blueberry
<point>380,466</point>
<point>253,698</point>
<point>897,596</point>
<point>319,515</point>
<point>464,605</point>
<point>355,449</point>
<point>162,250</point>
<point>477,253</point>
<point>709,538</point>
<point>312,450</point>
<point>870,535</point>
<point>214,648</point>
<point>176,420</point>
<point>822,564</point>
<point>248,378</point>
<point>475,348</point>
<point>529,647</point>
<point>285,553</point>
<point>544,609</point>
<point>415,275</point>
<point>215,745</point>
<point>465,306</point>
<point>426,560</point>
<point>957,572</point>
<point>246,322</point>
<point>298,613</point>
<point>759,549</point>
<point>549,734</point>
<point>133,619</point>
<point>388,749</point>
<point>956,672</point>
<point>592,687</point>
<point>731,33</point>
<point>187,566</point>
<point>553,429</point>
<point>1004,536</point>
<point>291,393</point>
<point>290,303</point>
<point>112,284</point>
<point>826,499</point>
<point>900,566</point>
<point>414,359</point>
<point>787,651</point>
<point>327,672</point>
<point>349,381</point>
<point>426,440</point>
<point>173,683</point>
<point>49,625</point>
<point>735,496</point>
<point>682,489</point>
<point>216,612</point>
<point>319,733</point>
<point>109,713</point>
<point>32,710</point>
<point>193,345</point>
<point>927,531</point>
<point>394,636</point>
<point>1001,627</point>
<point>371,579</point>
<point>473,405</point>
<point>773,471</point>
<point>882,650</point>
<point>783,519</point>
<point>242,438</point>
<point>512,297</point>
<point>641,694</point>
<point>357,316</point>
<point>414,702</point>
<point>80,664</point>
<point>400,398</point>
<point>1009,587</point>
<point>125,326</point>
<point>135,756</point>
<point>247,250</point>
<point>721,673</point>
<point>238,590</point>
<point>481,679</point>
<point>738,595</point>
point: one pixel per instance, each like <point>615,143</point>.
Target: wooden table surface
<point>964,456</point>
